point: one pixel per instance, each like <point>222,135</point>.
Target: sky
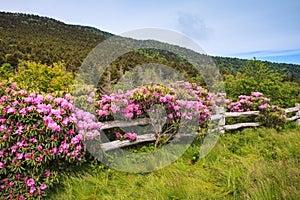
<point>265,29</point>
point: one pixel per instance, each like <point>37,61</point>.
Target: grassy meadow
<point>248,164</point>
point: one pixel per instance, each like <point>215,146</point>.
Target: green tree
<point>257,77</point>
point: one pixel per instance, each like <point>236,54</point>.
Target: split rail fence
<point>220,115</point>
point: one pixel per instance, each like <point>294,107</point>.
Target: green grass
<point>249,164</point>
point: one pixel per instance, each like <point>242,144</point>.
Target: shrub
<point>37,77</point>
<point>174,104</point>
<point>270,115</point>
<point>37,141</point>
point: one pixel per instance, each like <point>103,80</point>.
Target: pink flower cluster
<point>136,103</point>
<point>86,125</point>
<point>249,103</point>
<point>34,130</point>
<point>255,102</point>
<point>130,136</point>
<point>32,185</point>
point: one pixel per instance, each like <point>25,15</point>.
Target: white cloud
<point>193,26</point>
<point>268,53</point>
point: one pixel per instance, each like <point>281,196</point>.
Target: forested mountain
<point>232,65</point>
<point>41,39</point>
<point>45,40</point>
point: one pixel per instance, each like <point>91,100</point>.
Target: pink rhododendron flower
<point>78,147</point>
<point>74,153</point>
<point>48,173</point>
<point>257,94</point>
<point>40,148</point>
<point>43,186</point>
<point>89,135</point>
<point>21,92</point>
<point>176,108</point>
<point>54,150</point>
<point>30,108</point>
<point>131,136</point>
<point>170,116</point>
<point>114,108</point>
<point>90,99</point>
<point>11,184</point>
<point>50,97</point>
<point>13,149</point>
<point>11,110</point>
<point>32,190</point>
<point>30,182</point>
<point>74,141</point>
<point>65,146</point>
<point>1,165</point>
<point>118,134</point>
<point>18,176</point>
<point>128,115</point>
<point>33,140</point>
<point>163,99</point>
<point>15,103</point>
<point>65,121</point>
<point>264,106</point>
<point>14,85</point>
<point>19,156</point>
<point>27,156</point>
<point>68,96</point>
<point>2,128</point>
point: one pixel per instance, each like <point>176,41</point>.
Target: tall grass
<point>249,164</point>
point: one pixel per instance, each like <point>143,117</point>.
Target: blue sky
<point>268,30</point>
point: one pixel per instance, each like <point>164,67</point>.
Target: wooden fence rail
<point>220,115</point>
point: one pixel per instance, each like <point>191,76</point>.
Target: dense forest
<point>41,39</point>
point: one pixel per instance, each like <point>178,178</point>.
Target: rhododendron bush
<point>37,135</point>
<point>176,104</point>
<point>137,103</point>
<point>270,115</point>
<point>41,135</point>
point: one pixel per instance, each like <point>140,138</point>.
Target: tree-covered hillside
<point>233,65</point>
<point>41,39</point>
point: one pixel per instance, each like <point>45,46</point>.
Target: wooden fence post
<point>298,113</point>
<point>221,124</point>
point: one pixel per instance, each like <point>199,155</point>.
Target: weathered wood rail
<point>220,116</point>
